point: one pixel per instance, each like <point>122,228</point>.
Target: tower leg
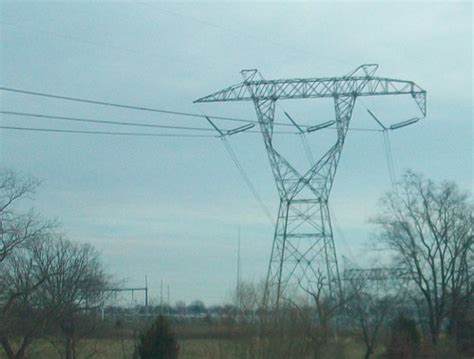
<point>303,253</point>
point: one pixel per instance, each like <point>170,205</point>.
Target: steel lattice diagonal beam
<point>303,252</point>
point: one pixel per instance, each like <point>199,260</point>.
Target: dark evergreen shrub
<point>158,342</point>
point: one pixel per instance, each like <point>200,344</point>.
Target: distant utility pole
<point>303,246</point>
<point>161,297</point>
<point>146,296</point>
<point>238,263</point>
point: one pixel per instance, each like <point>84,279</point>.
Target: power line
<point>141,134</point>
<point>247,180</point>
<point>340,233</point>
<point>302,135</point>
<point>119,123</point>
<point>241,170</point>
<point>150,109</point>
<point>112,104</point>
<point>239,33</point>
<point>386,145</point>
<point>389,158</point>
<point>230,31</point>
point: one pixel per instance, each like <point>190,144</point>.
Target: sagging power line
<point>223,136</point>
<point>124,106</point>
<point>103,122</point>
<point>86,132</point>
<point>151,109</point>
<point>118,123</point>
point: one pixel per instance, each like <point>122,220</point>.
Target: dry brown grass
<point>189,349</point>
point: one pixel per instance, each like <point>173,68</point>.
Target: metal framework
<point>131,290</point>
<point>303,247</point>
<point>374,274</point>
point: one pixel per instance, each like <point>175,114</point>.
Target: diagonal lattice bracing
<point>303,250</point>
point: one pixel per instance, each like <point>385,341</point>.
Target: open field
<point>189,349</point>
<point>225,340</point>
<point>205,338</point>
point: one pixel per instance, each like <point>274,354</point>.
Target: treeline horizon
<point>57,291</point>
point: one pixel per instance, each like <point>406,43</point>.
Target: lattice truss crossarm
<point>303,251</point>
<point>318,88</point>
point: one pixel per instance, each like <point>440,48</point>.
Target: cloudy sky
<point>171,207</point>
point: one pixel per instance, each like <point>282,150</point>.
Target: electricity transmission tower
<point>303,250</point>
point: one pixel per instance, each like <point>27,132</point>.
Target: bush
<point>404,340</point>
<point>158,342</point>
<point>461,328</point>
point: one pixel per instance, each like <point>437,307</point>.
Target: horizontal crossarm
<point>319,88</point>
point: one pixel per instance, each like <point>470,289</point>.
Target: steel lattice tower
<point>303,247</point>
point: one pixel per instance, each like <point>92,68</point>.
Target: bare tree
<point>429,227</point>
<point>74,287</point>
<point>370,308</point>
<point>18,276</point>
<point>21,318</point>
<point>51,283</point>
<point>45,280</point>
<point>327,308</point>
<point>16,227</point>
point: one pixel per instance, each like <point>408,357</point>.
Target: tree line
<point>52,287</point>
<point>425,294</point>
<point>49,285</point>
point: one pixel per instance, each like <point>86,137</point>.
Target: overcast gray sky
<point>170,208</point>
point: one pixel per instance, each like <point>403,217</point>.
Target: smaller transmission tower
<point>303,251</point>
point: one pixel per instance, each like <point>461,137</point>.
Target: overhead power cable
<point>141,134</point>
<point>340,233</point>
<point>240,168</point>
<point>119,123</point>
<point>389,158</point>
<point>237,32</point>
<point>107,122</point>
<point>149,109</point>
<point>130,107</point>
<point>386,144</point>
<point>247,180</point>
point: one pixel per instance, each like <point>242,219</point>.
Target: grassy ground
<point>205,340</point>
<point>193,349</point>
<point>189,349</point>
